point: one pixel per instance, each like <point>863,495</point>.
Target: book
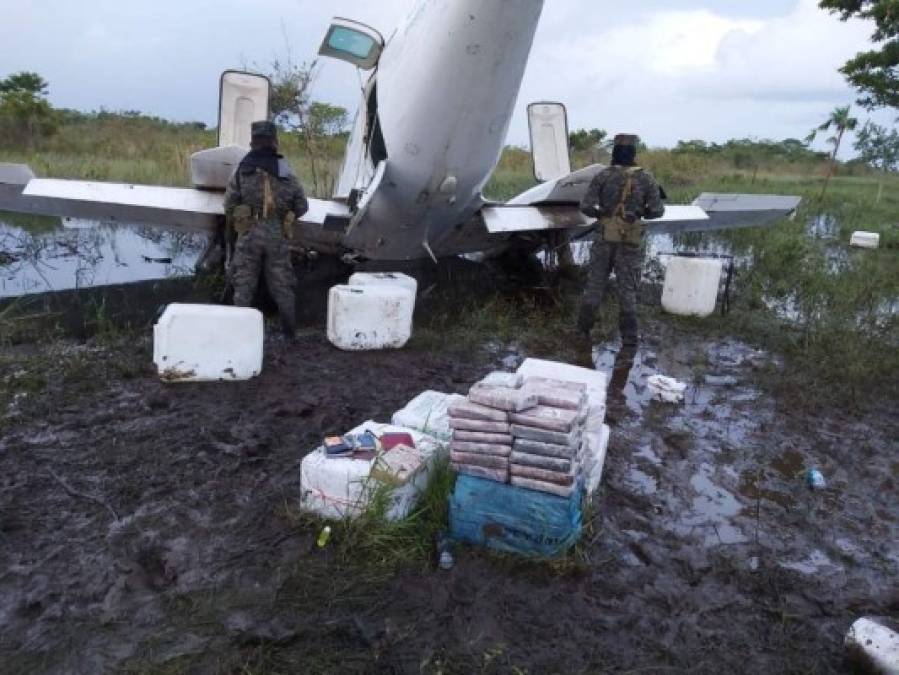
<point>392,439</point>
<point>337,446</point>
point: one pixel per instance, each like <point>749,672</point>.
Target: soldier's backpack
<point>617,229</point>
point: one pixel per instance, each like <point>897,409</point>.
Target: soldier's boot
<point>586,318</point>
<point>630,336</point>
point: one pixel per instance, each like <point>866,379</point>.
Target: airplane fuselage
<point>444,90</point>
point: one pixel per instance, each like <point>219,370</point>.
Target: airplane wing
<point>554,205</point>
<point>183,208</point>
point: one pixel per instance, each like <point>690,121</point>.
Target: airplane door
<point>548,123</point>
<point>353,42</point>
<point>243,99</point>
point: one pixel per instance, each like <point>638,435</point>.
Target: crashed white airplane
<point>428,135</point>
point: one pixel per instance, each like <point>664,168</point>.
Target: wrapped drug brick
<point>571,439</point>
<point>551,419</point>
<point>462,424</point>
<point>496,475</point>
<point>502,398</point>
<point>546,449</point>
<point>541,486</point>
<point>542,462</point>
<point>558,394</point>
<point>502,379</point>
<point>486,461</point>
<point>478,437</point>
<point>481,448</point>
<point>563,479</point>
<point>474,411</point>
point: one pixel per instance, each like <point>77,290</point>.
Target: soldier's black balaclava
<point>624,152</point>
<point>263,149</point>
<point>624,155</point>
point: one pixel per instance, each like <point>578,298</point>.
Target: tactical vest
<point>245,217</point>
<point>617,229</point>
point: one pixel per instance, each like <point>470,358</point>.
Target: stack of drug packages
<point>548,450</point>
<point>527,432</point>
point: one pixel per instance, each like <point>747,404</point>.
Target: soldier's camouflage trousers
<point>265,250</point>
<point>627,262</point>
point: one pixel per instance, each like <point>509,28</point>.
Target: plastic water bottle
<point>815,479</point>
<point>445,552</point>
<point>324,536</point>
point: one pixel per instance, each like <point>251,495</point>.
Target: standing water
<point>51,254</point>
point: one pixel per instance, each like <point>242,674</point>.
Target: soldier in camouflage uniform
<point>262,203</point>
<point>620,197</point>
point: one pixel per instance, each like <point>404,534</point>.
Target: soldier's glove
<point>586,318</point>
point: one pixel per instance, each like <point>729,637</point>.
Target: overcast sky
<point>667,69</point>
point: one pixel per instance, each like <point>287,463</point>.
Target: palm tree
<point>842,121</point>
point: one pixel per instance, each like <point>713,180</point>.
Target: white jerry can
<point>865,240</point>
<point>208,343</point>
<point>389,278</point>
<point>691,286</point>
<point>363,318</point>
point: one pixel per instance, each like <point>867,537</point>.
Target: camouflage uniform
<point>620,197</point>
<point>262,209</point>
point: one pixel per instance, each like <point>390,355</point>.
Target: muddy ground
<point>147,527</point>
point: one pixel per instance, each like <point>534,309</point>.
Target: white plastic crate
<point>208,343</point>
<point>865,240</point>
<point>691,286</point>
<point>381,278</point>
<point>337,488</point>
<point>370,317</point>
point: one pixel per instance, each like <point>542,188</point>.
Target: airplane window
<point>350,41</point>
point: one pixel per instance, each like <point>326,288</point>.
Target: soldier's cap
<point>264,129</point>
<point>627,139</point>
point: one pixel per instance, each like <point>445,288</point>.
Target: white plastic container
<point>874,646</point>
<point>691,286</point>
<point>339,488</point>
<point>596,448</point>
<point>388,278</point>
<point>208,343</point>
<point>666,389</point>
<point>865,240</point>
<point>370,317</point>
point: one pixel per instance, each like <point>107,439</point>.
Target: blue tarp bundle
<point>512,519</point>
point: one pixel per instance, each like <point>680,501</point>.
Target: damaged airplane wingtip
<point>15,174</point>
<point>13,179</point>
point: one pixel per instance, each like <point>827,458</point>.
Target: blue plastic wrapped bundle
<point>512,519</point>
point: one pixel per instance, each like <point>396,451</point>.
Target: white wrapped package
<point>340,487</point>
<point>501,379</point>
<point>557,393</point>
<point>467,410</point>
<point>594,380</point>
<point>502,398</point>
<point>666,389</point>
<point>551,419</point>
<point>596,447</point>
<point>427,413</point>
